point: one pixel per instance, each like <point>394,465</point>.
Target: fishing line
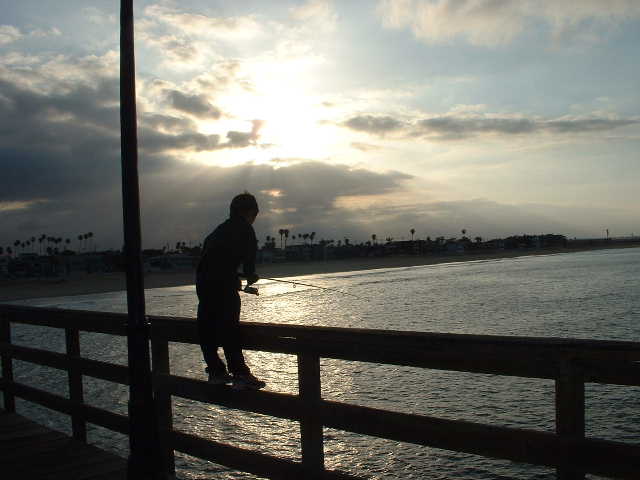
<point>295,282</point>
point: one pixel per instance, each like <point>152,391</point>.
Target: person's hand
<point>252,278</point>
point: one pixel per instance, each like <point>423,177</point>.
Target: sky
<point>346,118</point>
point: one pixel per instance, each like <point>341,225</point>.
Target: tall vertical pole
<point>141,436</point>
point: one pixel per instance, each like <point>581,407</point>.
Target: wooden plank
<point>53,455</point>
<point>85,321</point>
<point>18,432</point>
<point>7,363</point>
<point>618,460</point>
<point>78,425</point>
<point>76,461</point>
<point>570,410</point>
<point>103,370</point>
<point>539,448</point>
<point>515,356</point>
<point>104,418</point>
<point>25,451</point>
<point>246,460</point>
<point>311,430</point>
<point>280,405</point>
<point>41,397</point>
<point>94,368</point>
<point>161,367</point>
<point>184,330</point>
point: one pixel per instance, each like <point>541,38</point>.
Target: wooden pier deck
<point>29,451</point>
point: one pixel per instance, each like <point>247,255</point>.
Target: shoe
<point>247,382</point>
<point>219,378</point>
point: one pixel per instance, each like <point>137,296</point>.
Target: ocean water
<point>593,295</point>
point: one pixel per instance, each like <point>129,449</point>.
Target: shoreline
<point>84,284</point>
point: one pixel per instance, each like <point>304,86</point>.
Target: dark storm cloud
<point>302,195</point>
<point>153,141</point>
<point>51,144</point>
<point>377,125</point>
<point>451,127</point>
<point>60,149</point>
<point>244,139</point>
<point>196,105</point>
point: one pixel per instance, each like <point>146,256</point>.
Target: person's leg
<point>209,340</point>
<point>231,342</point>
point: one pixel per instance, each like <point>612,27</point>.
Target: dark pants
<point>218,326</point>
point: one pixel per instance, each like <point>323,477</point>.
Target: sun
<point>293,118</point>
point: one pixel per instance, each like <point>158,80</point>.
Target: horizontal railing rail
<point>569,362</point>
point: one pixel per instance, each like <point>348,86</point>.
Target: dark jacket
<point>231,244</point>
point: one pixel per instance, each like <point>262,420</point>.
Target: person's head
<point>245,206</point>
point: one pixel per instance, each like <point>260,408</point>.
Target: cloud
<point>185,39</point>
<point>319,12</point>
<point>39,33</point>
<point>222,28</point>
<point>455,126</point>
<point>60,145</point>
<point>9,34</point>
<point>196,105</point>
<point>377,125</point>
<point>491,22</point>
<point>244,139</point>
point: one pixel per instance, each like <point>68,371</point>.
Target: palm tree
<point>79,243</point>
<point>281,233</point>
<point>312,235</point>
<point>412,231</point>
<point>90,235</point>
<point>305,236</point>
<point>286,236</point>
<point>373,238</point>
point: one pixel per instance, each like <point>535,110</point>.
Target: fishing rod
<point>254,290</point>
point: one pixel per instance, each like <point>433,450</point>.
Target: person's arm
<point>249,263</point>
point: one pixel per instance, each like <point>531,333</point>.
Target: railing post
<point>161,367</point>
<point>7,365</point>
<point>78,424</point>
<point>570,410</point>
<point>310,427</point>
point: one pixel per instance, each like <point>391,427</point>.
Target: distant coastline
<point>83,284</point>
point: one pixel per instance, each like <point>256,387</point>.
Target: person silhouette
<point>231,244</point>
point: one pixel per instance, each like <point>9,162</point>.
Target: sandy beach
<point>82,284</point>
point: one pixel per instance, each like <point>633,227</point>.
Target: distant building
<point>455,247</point>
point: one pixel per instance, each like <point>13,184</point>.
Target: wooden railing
<point>570,363</point>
